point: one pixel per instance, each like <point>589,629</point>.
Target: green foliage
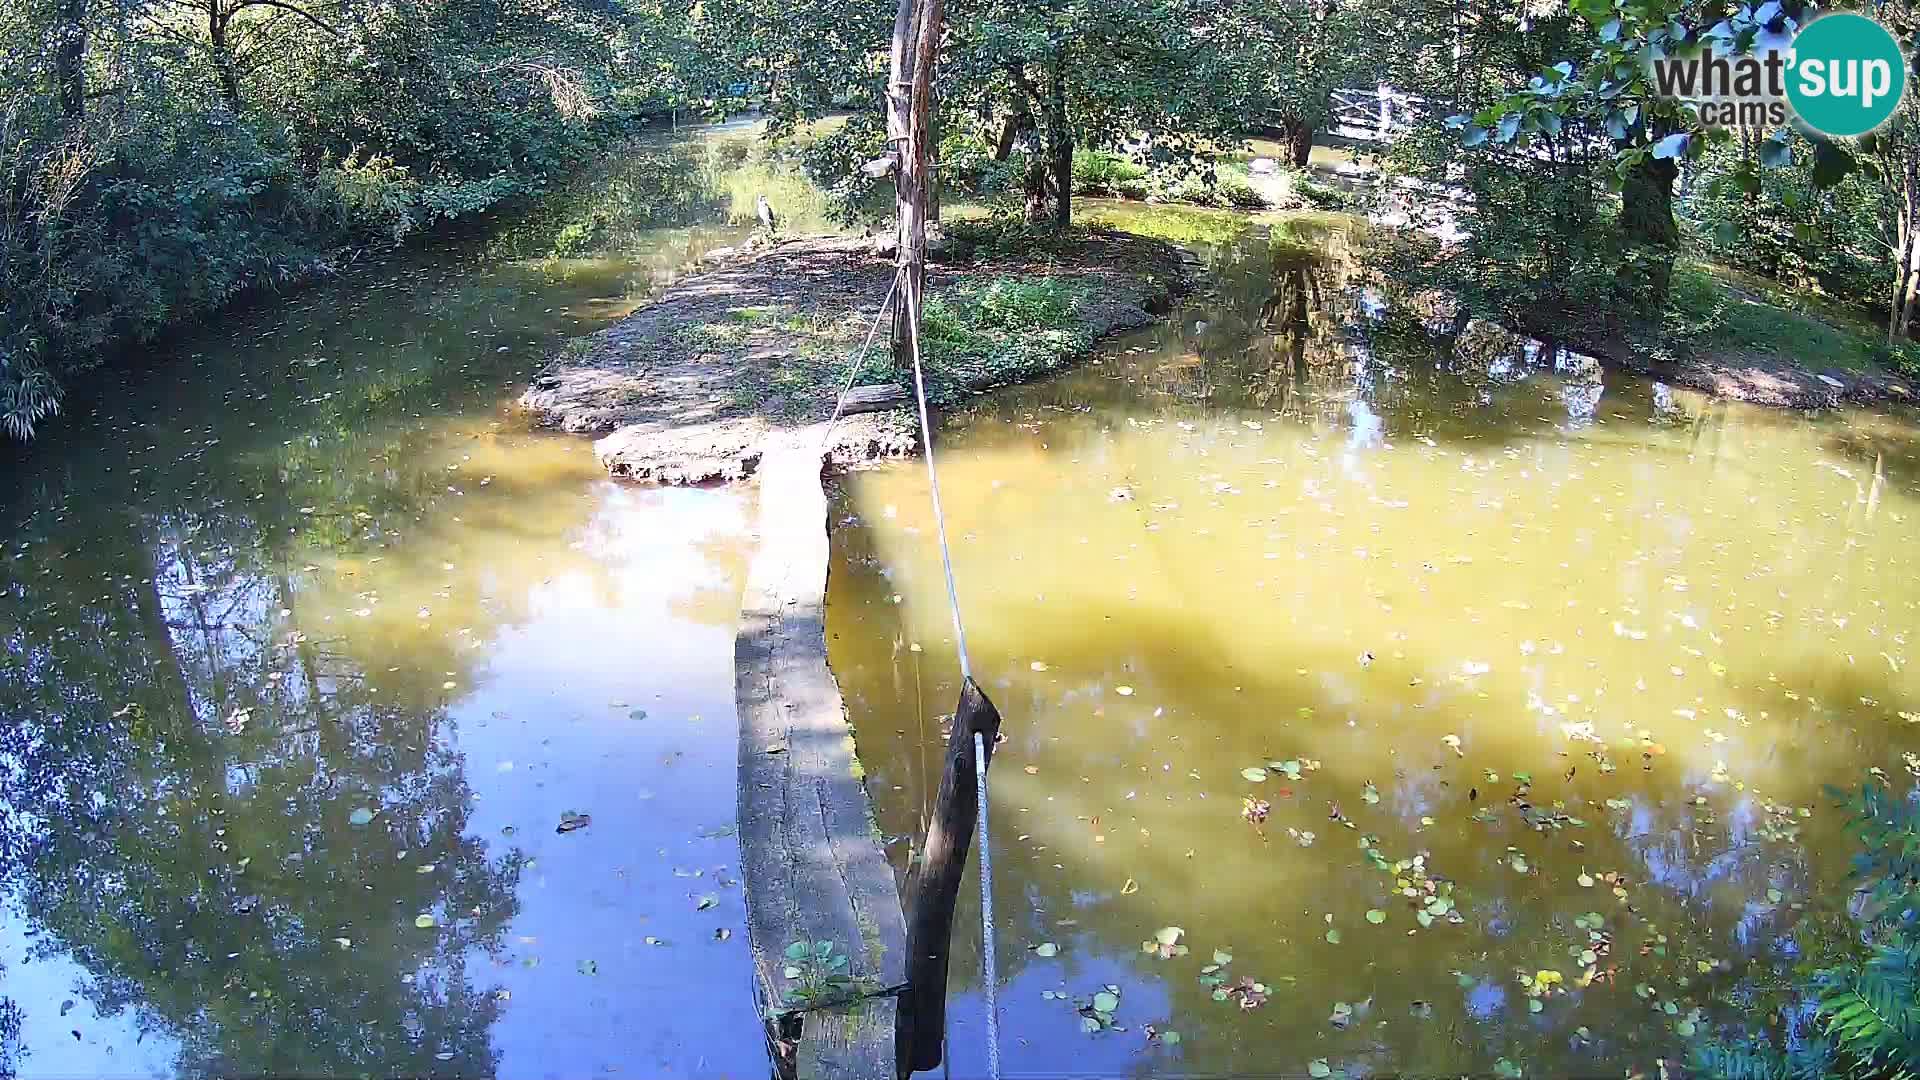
<point>818,970</point>
<point>1006,330</point>
<point>190,167</point>
<point>1865,1005</point>
<point>1099,172</point>
<point>1777,222</point>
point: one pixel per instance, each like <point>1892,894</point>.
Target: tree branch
<point>284,6</point>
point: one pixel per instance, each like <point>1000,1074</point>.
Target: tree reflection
<point>181,769</point>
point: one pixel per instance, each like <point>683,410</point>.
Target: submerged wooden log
<point>877,398</point>
<point>935,885</point>
<point>811,856</point>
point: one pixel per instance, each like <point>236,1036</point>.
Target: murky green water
<point>311,648</point>
<point>1529,668</point>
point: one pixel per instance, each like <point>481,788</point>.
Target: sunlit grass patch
<point>1738,313</point>
<point>1006,330</point>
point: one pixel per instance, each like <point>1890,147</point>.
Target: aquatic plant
<point>1864,1009</point>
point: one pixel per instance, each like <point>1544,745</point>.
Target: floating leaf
<point>1168,935</point>
<point>706,902</point>
<point>1105,1002</point>
<point>1047,949</point>
<point>362,816</point>
<point>1319,1069</point>
<point>1534,1006</point>
<point>424,921</point>
<point>589,967</point>
<point>1221,956</point>
<point>1254,773</point>
<point>1376,916</point>
<point>1170,1038</point>
<point>1370,794</point>
<point>1130,887</point>
<point>1333,937</point>
<point>1774,896</point>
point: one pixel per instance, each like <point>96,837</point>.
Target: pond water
<point>1392,677</point>
<point>311,648</point>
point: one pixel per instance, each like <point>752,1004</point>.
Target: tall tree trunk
<point>70,58</point>
<point>1900,310</point>
<point>911,181</point>
<point>899,124</point>
<point>1016,124</point>
<point>1648,231</point>
<point>1039,160</point>
<point>1299,141</point>
<point>1060,143</point>
<point>217,20</point>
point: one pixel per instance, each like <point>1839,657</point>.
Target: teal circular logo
<point>1846,75</point>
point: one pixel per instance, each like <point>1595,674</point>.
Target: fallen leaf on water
<point>424,921</point>
<point>1046,949</point>
<point>1130,887</point>
<point>361,816</point>
<point>1319,1069</point>
<point>1376,916</point>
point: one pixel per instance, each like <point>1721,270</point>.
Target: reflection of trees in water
<point>186,766</point>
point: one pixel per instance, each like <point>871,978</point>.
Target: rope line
<point>991,976</point>
<point>933,479</point>
<point>853,370</point>
<point>988,941</point>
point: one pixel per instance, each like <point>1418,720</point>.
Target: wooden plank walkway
<point>812,858</point>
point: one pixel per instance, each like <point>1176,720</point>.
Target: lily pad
<point>425,921</point>
<point>1376,916</point>
<point>1319,1069</point>
<point>362,816</point>
<point>1333,937</point>
<point>1105,1002</point>
<point>1168,935</point>
<point>1254,773</point>
<point>1048,949</point>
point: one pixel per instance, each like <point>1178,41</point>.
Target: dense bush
<point>1776,222</point>
<point>158,176</point>
<point>1096,172</point>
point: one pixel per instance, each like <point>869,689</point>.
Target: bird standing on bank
<point>765,210</point>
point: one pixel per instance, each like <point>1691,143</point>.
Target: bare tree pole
<point>917,25</point>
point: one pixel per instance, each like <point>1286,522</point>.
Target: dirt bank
<point>1762,378</point>
<point>692,386</point>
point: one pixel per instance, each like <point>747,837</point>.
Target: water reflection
<point>1584,647</point>
<point>310,647</point>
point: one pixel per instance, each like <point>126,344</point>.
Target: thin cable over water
<point>933,480</point>
<point>991,978</point>
<point>987,939</point>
